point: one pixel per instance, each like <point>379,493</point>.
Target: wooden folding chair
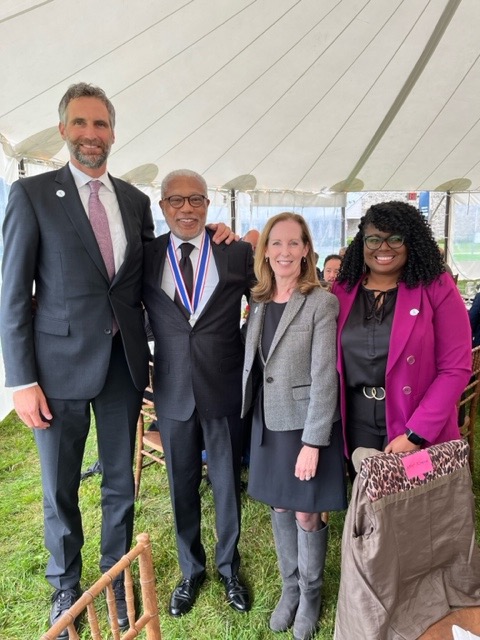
<point>468,405</point>
<point>148,620</point>
<point>149,443</point>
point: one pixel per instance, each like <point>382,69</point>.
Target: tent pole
<point>343,227</point>
<point>446,232</point>
<point>232,211</point>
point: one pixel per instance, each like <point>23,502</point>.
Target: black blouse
<point>273,315</point>
<point>366,337</point>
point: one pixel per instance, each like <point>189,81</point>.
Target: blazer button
<point>407,390</point>
<point>269,379</point>
<point>107,331</point>
<point>411,359</point>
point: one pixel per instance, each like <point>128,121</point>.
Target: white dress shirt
<point>168,282</point>
<point>108,198</point>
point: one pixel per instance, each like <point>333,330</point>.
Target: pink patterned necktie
<point>99,222</point>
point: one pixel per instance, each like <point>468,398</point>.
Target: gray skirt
<point>273,455</point>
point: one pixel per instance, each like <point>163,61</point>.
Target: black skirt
<point>273,455</point>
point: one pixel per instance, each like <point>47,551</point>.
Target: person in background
<point>474,315</point>
<point>448,269</point>
<point>296,463</point>
<point>192,293</point>
<point>318,271</point>
<point>404,351</point>
<point>331,267</point>
<point>75,236</point>
<point>342,251</point>
<point>252,237</point>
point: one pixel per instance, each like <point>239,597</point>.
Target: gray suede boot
<point>285,534</point>
<point>312,550</point>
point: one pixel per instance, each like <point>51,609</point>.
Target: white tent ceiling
<point>302,94</point>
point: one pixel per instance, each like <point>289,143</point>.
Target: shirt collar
<point>81,178</point>
<point>197,242</point>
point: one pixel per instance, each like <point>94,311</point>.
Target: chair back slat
<point>148,620</point>
<point>93,622</point>
<point>468,406</point>
<point>149,443</point>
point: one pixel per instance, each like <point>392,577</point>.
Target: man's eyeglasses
<point>177,202</point>
<point>395,241</point>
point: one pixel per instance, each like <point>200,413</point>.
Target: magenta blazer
<point>429,362</point>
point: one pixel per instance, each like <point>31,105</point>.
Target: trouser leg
<point>116,411</point>
<point>182,445</point>
<point>60,449</point>
<point>223,443</point>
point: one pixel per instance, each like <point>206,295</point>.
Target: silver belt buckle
<point>374,393</point>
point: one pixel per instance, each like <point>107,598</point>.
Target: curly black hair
<point>424,260</point>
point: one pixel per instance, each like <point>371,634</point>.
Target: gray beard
<point>90,161</point>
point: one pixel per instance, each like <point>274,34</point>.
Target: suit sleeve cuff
<point>23,386</point>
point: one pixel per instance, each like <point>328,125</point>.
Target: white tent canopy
<point>308,95</point>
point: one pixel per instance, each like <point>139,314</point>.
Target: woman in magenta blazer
<point>404,346</point>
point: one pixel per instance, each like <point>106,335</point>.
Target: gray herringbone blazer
<point>300,379</point>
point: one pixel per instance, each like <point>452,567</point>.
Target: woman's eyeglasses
<point>395,241</point>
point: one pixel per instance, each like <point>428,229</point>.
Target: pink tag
<point>417,464</point>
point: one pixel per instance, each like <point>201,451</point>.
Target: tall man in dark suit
<point>198,366</point>
<point>85,344</point>
<point>76,236</point>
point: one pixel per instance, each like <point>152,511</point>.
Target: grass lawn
<point>25,595</point>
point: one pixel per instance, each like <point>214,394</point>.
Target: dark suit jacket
<point>198,366</point>
<point>50,245</point>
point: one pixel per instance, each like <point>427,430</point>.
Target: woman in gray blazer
<point>296,463</point>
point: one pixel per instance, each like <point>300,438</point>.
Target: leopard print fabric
<point>384,474</point>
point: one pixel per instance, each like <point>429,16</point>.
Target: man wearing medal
<point>192,293</point>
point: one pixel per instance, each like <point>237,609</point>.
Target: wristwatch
<point>413,437</point>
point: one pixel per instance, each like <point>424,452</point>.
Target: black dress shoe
<point>119,592</point>
<point>184,594</point>
<point>237,594</point>
<point>62,600</point>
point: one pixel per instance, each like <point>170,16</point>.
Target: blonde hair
<point>265,288</point>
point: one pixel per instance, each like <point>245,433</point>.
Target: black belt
<point>373,393</point>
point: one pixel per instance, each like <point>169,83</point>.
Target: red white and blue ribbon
<point>200,275</point>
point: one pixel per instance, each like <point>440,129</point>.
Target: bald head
<point>252,237</point>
